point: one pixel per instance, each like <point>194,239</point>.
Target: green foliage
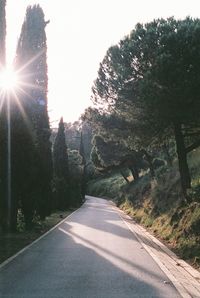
<point>108,155</point>
<point>61,193</point>
<point>135,191</point>
<point>86,131</point>
<point>72,133</point>
<point>3,167</point>
<point>79,136</point>
<point>75,163</point>
<point>12,243</point>
<point>194,164</point>
<point>31,59</point>
<point>147,98</point>
<point>106,187</point>
<point>69,165</point>
<point>31,160</point>
<point>157,204</point>
<point>61,170</point>
<point>150,79</point>
<point>60,157</point>
<point>76,176</point>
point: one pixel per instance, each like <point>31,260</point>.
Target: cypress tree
<point>60,152</point>
<point>61,172</point>
<point>31,64</point>
<point>84,165</point>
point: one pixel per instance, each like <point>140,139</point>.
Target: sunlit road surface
<point>91,254</point>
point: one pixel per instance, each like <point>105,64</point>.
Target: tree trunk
<point>182,158</point>
<point>124,176</point>
<point>83,183</point>
<point>134,172</point>
<point>13,213</point>
<point>149,160</point>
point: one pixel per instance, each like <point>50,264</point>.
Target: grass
<point>108,186</point>
<point>159,206</point>
<point>11,243</point>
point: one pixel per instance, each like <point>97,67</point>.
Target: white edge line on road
<point>175,282</point>
<point>35,241</point>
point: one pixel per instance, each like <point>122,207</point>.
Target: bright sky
<point>78,36</point>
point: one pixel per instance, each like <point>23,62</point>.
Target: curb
<point>185,278</point>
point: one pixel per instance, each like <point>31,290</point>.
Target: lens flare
<point>8,79</point>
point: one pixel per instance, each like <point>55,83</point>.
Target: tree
<point>154,72</point>
<point>121,131</point>
<point>170,86</point>
<point>29,124</point>
<point>84,165</point>
<point>60,153</point>
<point>72,133</point>
<point>76,178</point>
<point>31,60</point>
<point>61,169</point>
<point>111,155</point>
<point>86,130</point>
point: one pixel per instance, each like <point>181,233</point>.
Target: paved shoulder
<point>185,278</point>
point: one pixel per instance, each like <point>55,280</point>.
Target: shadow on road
<point>90,255</point>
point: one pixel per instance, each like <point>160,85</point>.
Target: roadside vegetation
<point>158,205</point>
<point>42,173</point>
<point>146,130</point>
<point>12,243</point>
<point>138,145</point>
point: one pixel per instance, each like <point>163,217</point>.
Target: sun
<point>8,79</point>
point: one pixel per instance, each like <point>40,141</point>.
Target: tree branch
<point>193,146</point>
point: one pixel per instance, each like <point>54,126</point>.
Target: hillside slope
<point>158,205</point>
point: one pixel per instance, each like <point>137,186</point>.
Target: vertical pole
<point>9,161</point>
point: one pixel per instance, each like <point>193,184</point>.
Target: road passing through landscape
<point>91,254</point>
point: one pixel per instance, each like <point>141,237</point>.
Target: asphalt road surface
<point>90,254</point>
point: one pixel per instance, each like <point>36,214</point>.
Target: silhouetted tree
<point>84,165</point>
<point>61,170</point>
<point>31,64</point>
<point>154,73</point>
<point>109,155</point>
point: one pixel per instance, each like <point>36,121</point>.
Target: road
<point>91,254</point>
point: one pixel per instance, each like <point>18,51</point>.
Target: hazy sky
<point>78,36</point>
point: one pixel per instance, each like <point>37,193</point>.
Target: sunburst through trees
<point>24,124</point>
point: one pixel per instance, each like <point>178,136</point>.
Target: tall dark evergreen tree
<point>60,159</point>
<point>32,160</point>
<point>84,165</point>
<point>82,150</point>
<point>61,171</point>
